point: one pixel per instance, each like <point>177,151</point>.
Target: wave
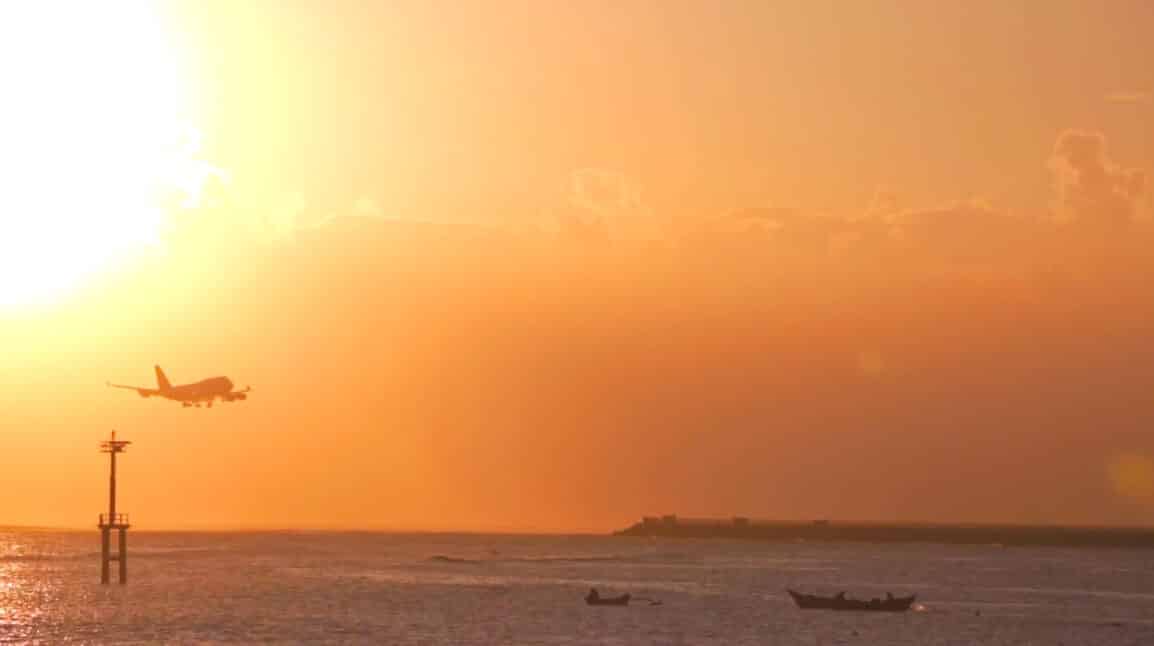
<point>571,559</point>
<point>567,558</point>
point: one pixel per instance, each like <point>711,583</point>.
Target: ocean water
<point>374,588</point>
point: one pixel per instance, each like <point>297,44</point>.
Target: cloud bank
<point>956,362</point>
<point>1091,187</point>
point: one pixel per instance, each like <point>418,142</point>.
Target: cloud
<point>605,192</point>
<point>1129,98</point>
<point>969,231</point>
<point>283,215</point>
<point>367,207</point>
<point>963,232</point>
<point>1091,187</point>
<point>798,230</point>
<point>884,204</point>
<point>613,199</point>
<point>771,232</point>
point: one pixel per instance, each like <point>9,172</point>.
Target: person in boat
<point>889,597</point>
<point>840,596</point>
<point>593,595</point>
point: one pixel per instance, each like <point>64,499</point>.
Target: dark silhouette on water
<point>594,598</point>
<point>841,602</point>
<point>205,391</point>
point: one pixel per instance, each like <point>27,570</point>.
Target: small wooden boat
<point>840,602</point>
<point>595,599</point>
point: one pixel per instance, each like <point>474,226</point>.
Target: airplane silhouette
<point>195,394</point>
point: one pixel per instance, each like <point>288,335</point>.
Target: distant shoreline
<point>1141,537</point>
<point>862,532</point>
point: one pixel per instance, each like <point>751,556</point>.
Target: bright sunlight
<point>96,137</point>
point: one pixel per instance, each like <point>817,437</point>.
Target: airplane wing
<point>143,392</point>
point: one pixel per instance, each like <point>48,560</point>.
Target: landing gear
<point>185,404</point>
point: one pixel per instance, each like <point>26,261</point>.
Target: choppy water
<point>480,589</point>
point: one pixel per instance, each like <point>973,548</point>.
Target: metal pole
<point>123,555</point>
<point>112,483</point>
<point>105,539</point>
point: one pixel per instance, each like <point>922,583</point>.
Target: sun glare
<point>95,139</point>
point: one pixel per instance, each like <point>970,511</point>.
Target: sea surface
<point>376,588</point>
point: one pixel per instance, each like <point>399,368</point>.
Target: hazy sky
<point>548,265</point>
<point>454,108</point>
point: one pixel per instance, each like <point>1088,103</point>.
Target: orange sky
<point>541,266</point>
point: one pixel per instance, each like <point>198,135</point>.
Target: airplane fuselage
<point>201,392</point>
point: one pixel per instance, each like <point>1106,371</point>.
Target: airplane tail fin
<point>161,380</point>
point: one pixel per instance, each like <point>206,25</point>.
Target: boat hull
<point>623,600</point>
<point>815,602</point>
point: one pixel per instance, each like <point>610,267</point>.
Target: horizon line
<point>575,531</point>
